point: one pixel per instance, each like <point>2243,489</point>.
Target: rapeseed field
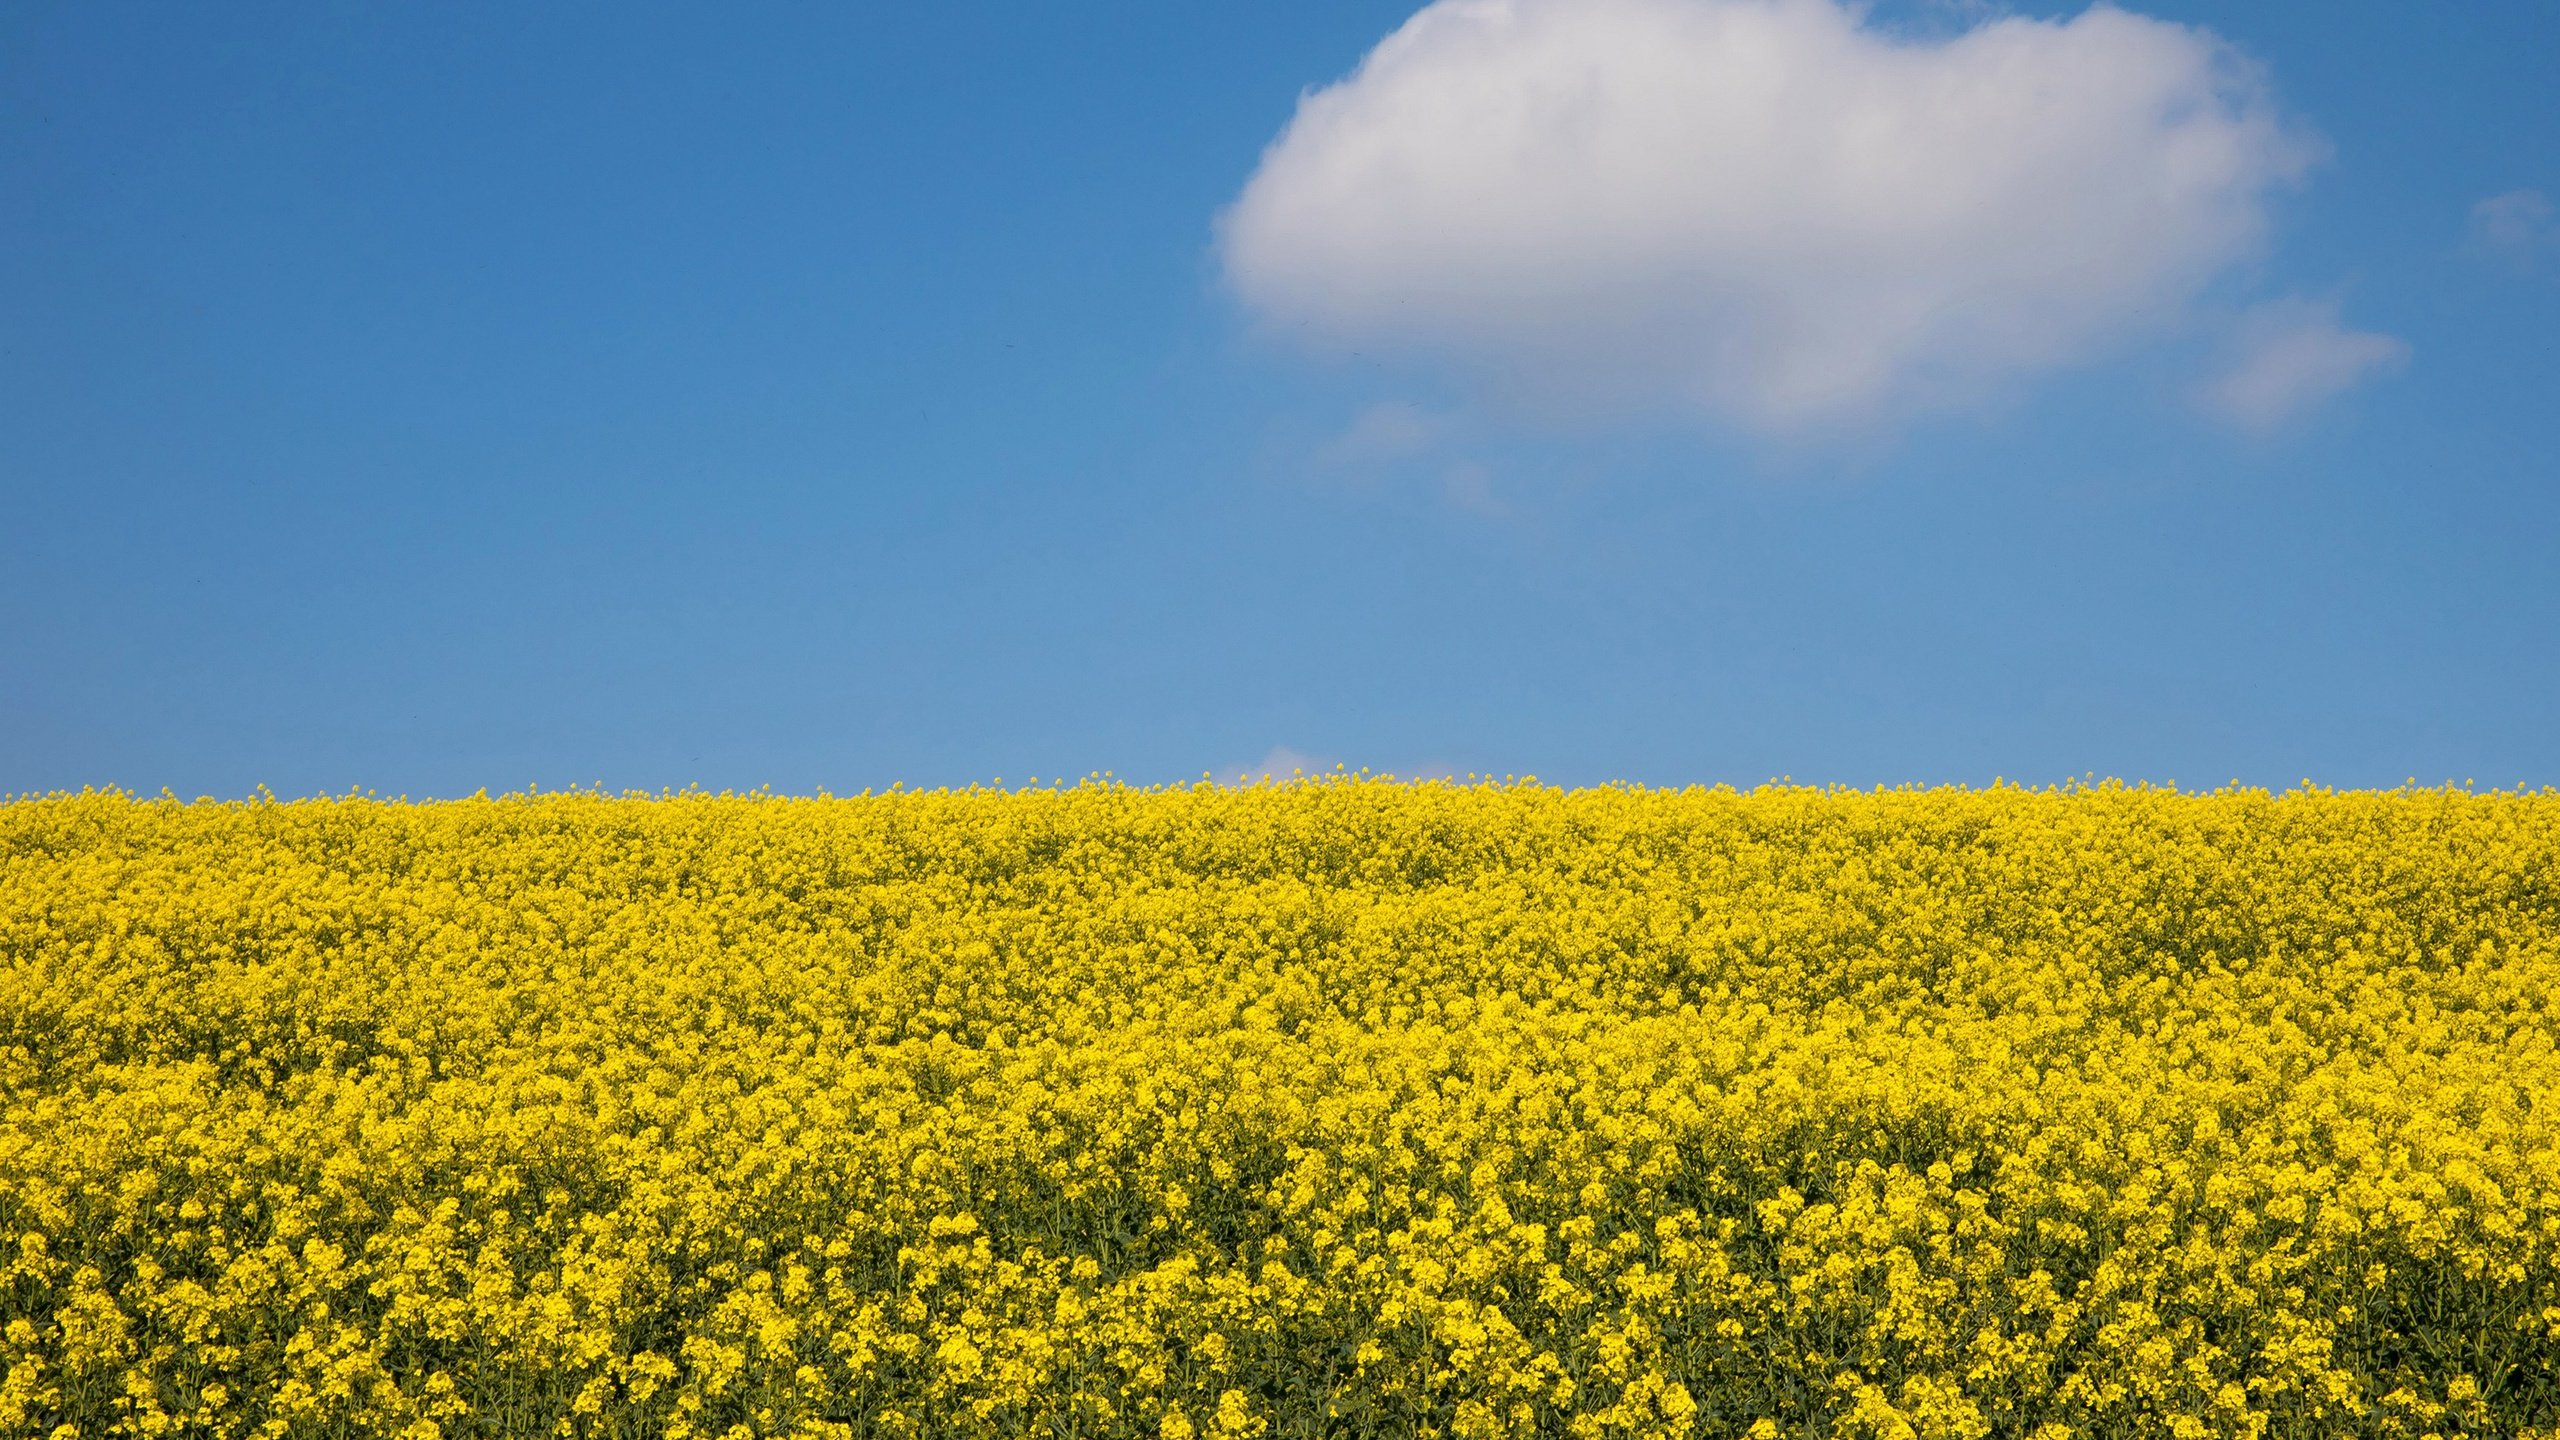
<point>1337,1108</point>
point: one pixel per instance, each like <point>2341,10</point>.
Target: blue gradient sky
<point>476,396</point>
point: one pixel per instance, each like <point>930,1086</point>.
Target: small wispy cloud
<point>1396,438</point>
<point>1468,485</point>
<point>1389,430</point>
<point>2520,228</point>
<point>2288,357</point>
<point>1281,762</point>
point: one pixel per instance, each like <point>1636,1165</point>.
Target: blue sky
<point>437,398</point>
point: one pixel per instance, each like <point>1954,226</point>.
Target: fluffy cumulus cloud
<point>2289,356</point>
<point>1769,211</point>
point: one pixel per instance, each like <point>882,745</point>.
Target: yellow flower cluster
<point>1337,1108</point>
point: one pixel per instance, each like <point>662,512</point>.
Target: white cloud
<point>2288,356</point>
<point>2519,227</point>
<point>1762,210</point>
<point>1280,763</point>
